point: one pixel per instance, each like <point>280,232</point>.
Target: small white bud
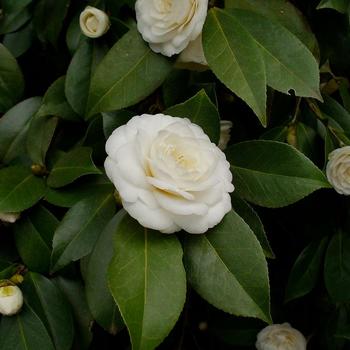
<point>94,22</point>
<point>9,217</point>
<point>11,300</point>
<point>225,133</point>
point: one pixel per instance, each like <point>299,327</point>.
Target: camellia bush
<point>174,174</point>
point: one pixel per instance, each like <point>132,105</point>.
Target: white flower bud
<point>9,217</point>
<point>225,133</point>
<point>11,300</point>
<point>280,337</point>
<point>94,22</point>
<point>338,170</point>
<point>193,53</point>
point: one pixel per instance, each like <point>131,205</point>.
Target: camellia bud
<point>94,22</point>
<point>9,217</point>
<point>11,299</point>
<point>225,134</point>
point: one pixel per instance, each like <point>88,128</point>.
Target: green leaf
<point>148,282</point>
<point>99,297</point>
<point>306,270</point>
<point>72,165</point>
<point>338,5</point>
<point>283,12</point>
<point>273,174</point>
<point>306,138</point>
<point>249,215</point>
<point>39,137</point>
<point>113,120</point>
<point>20,41</point>
<point>51,306</point>
<point>279,133</point>
<point>289,64</point>
<point>79,229</point>
<point>227,268</point>
<point>24,331</point>
<point>85,187</point>
<point>201,111</point>
<point>337,267</point>
<point>130,72</point>
<point>10,6</point>
<point>13,128</point>
<point>12,21</point>
<point>75,294</point>
<point>337,112</point>
<point>74,35</point>
<point>55,103</point>
<point>78,77</point>
<point>34,233</point>
<point>11,80</point>
<point>235,59</point>
<point>19,189</point>
<point>48,19</point>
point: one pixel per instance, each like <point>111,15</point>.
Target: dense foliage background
<point>61,96</point>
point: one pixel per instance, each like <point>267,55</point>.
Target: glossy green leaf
<point>75,294</point>
<point>20,41</point>
<point>338,5</point>
<point>83,188</point>
<point>130,72</point>
<point>55,103</point>
<point>13,128</point>
<point>78,77</point>
<point>273,174</point>
<point>235,59</point>
<point>79,229</point>
<point>201,111</point>
<point>74,35</point>
<point>39,137</point>
<point>113,120</point>
<point>51,306</point>
<point>34,233</point>
<point>72,165</point>
<point>24,331</point>
<point>227,267</point>
<point>48,19</point>
<point>289,64</point>
<point>249,215</point>
<point>337,267</point>
<point>148,282</point>
<point>12,21</point>
<point>19,189</point>
<point>306,138</point>
<point>99,297</point>
<point>306,270</point>
<point>11,80</point>
<point>283,12</point>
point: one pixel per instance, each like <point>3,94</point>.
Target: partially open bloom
<point>170,25</point>
<point>280,337</point>
<point>9,217</point>
<point>168,174</point>
<point>93,22</point>
<point>338,170</point>
<point>11,300</point>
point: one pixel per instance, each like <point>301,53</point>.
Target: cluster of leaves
<point>87,265</point>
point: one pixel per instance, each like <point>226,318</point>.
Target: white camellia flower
<point>338,170</point>
<point>9,217</point>
<point>280,337</point>
<point>93,22</point>
<point>168,174</point>
<point>225,134</point>
<point>170,25</point>
<point>11,300</point>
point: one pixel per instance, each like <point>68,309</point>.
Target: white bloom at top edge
<point>280,337</point>
<point>170,25</point>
